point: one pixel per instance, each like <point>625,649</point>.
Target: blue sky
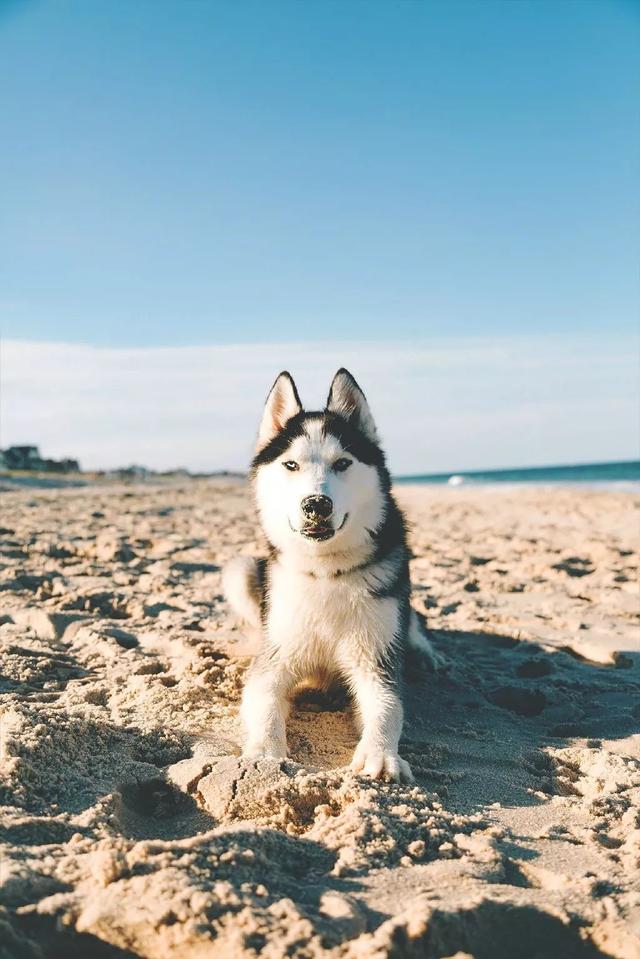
<point>179,173</point>
<point>442,195</point>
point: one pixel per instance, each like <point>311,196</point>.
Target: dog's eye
<point>342,464</point>
<point>291,465</point>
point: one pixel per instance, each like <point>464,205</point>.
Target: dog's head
<point>320,478</point>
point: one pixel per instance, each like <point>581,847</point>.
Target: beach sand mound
<point>130,825</point>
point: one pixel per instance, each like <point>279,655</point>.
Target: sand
<point>131,827</point>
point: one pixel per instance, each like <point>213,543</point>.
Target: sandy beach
<point>130,827</point>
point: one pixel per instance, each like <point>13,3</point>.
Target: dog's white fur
<point>323,620</point>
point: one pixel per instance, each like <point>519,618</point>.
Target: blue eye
<point>291,465</point>
<point>342,464</point>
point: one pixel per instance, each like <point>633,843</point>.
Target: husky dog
<point>332,598</point>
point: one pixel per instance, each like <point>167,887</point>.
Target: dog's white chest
<point>319,622</point>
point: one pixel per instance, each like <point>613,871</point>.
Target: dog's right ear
<point>282,403</point>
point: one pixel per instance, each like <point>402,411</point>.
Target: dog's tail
<point>242,582</point>
<point>418,643</point>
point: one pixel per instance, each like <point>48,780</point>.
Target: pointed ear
<point>347,400</point>
<point>282,403</point>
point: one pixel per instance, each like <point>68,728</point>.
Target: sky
<point>454,404</point>
<point>323,182</point>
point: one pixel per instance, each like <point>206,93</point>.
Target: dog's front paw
<point>381,764</point>
<point>264,749</point>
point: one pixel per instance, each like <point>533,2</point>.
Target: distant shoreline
<point>620,475</point>
<point>15,480</point>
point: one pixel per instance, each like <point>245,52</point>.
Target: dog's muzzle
<point>317,512</point>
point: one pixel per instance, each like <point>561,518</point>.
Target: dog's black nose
<point>317,507</point>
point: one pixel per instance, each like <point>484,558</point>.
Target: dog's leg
<point>241,584</point>
<point>265,708</point>
<point>420,645</point>
<point>380,710</point>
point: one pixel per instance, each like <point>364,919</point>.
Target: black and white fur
<point>332,598</point>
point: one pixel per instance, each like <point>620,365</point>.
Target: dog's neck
<point>324,565</point>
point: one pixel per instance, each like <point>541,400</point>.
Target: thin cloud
<point>442,405</point>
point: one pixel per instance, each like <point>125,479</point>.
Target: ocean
<point>615,476</point>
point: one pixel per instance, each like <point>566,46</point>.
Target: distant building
<point>62,466</point>
<point>23,458</point>
<point>28,458</point>
<point>133,473</point>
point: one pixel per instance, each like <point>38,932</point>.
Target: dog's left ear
<point>347,400</point>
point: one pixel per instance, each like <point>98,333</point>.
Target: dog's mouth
<point>318,532</point>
